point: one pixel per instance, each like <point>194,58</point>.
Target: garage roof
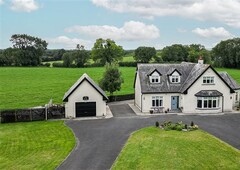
<point>79,82</point>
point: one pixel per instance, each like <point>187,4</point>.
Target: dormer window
<point>154,76</point>
<point>175,79</point>
<point>155,79</point>
<point>174,76</point>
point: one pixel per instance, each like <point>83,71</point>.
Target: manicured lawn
<point>34,145</point>
<point>28,87</point>
<point>153,148</point>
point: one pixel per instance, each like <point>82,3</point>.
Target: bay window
<point>207,102</point>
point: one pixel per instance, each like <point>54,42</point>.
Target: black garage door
<point>85,109</point>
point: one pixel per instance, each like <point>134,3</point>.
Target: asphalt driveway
<point>100,141</point>
<point>121,110</point>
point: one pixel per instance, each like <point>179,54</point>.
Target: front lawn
<point>153,148</point>
<point>34,145</point>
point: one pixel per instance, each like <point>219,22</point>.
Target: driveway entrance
<point>121,110</point>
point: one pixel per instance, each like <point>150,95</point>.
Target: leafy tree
<point>112,79</point>
<point>227,53</point>
<point>196,50</point>
<point>7,57</point>
<point>106,51</point>
<point>59,54</point>
<point>144,54</point>
<point>175,52</point>
<point>67,59</point>
<point>30,49</point>
<point>81,56</point>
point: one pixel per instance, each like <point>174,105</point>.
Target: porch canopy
<point>208,93</point>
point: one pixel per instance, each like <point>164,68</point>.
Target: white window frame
<point>175,79</point>
<point>208,102</point>
<point>208,80</point>
<point>157,101</point>
<point>155,79</point>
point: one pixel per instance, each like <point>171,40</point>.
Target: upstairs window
<point>208,80</point>
<point>175,79</point>
<point>155,79</point>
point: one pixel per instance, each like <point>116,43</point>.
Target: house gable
<point>77,85</point>
<point>216,73</point>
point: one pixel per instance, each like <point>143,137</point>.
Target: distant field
<point>34,86</point>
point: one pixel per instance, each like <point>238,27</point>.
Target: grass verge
<point>153,148</point>
<point>34,145</point>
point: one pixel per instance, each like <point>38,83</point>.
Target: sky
<point>130,23</point>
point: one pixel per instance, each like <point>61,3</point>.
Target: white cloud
<point>130,31</point>
<point>1,2</point>
<point>212,32</point>
<point>68,43</point>
<point>225,11</point>
<point>24,5</point>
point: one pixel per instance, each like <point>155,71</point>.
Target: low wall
<point>121,97</point>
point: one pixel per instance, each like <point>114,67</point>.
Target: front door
<point>174,102</point>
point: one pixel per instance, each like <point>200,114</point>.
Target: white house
<point>185,87</point>
<point>85,98</point>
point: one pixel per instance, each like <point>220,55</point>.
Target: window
<point>175,79</point>
<point>208,80</point>
<point>157,101</point>
<point>207,102</point>
<point>155,79</point>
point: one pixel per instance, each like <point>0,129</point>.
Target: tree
<point>81,56</point>
<point>227,53</point>
<point>112,79</point>
<point>59,54</point>
<point>67,59</point>
<point>144,54</point>
<point>175,52</point>
<point>196,50</point>
<point>30,49</point>
<point>106,51</point>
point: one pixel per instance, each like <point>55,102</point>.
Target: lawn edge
<point>130,135</point>
<point>77,143</point>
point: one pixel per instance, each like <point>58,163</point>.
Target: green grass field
<point>34,145</point>
<point>153,148</point>
<point>34,86</point>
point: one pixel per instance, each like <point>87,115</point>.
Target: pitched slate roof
<point>79,82</point>
<point>208,93</point>
<point>233,84</point>
<point>190,72</point>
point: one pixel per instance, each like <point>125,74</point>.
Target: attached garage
<point>85,98</point>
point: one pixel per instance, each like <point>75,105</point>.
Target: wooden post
<point>15,115</point>
<point>30,114</point>
<point>46,109</point>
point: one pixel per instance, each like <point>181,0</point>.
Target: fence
<point>32,114</point>
<point>121,97</point>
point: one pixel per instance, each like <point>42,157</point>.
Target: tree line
<point>31,51</point>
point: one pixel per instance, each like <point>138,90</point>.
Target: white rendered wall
<point>138,92</point>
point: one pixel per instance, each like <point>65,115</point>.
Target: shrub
<point>151,111</point>
<point>157,124</point>
<point>47,64</point>
<point>57,64</point>
<point>192,124</point>
<point>185,126</point>
<point>127,64</point>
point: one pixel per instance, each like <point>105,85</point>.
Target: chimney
<point>200,60</point>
